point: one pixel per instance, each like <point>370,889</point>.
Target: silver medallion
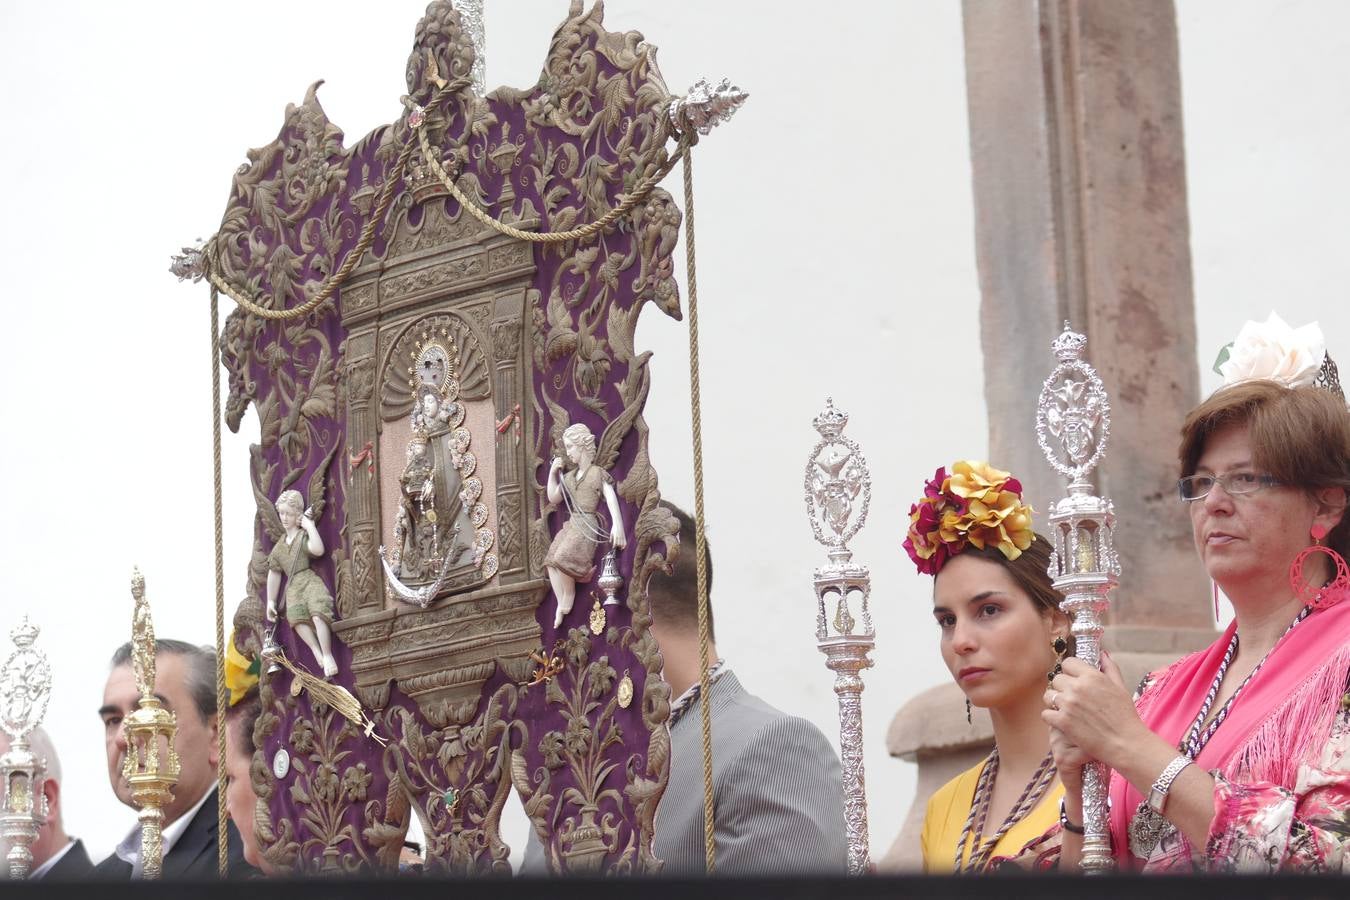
<point>281,763</point>
<point>1147,829</point>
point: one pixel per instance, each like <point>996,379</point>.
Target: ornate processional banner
<point>456,514</point>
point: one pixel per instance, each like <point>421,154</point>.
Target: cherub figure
<point>571,556</point>
<point>309,606</point>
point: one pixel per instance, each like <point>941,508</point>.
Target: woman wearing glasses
<point>1237,758</point>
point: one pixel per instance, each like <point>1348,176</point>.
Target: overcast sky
<point>836,257</point>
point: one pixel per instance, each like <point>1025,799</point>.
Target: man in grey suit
<point>777,793</point>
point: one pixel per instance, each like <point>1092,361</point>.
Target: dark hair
<point>674,597</point>
<point>1301,436</point>
<point>244,716</point>
<point>201,666</point>
<point>1031,572</point>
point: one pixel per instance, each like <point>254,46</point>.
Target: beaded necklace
<point>979,811</point>
<point>1148,827</point>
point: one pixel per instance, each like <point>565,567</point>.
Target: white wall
<point>836,257</point>
<point>1267,136</point>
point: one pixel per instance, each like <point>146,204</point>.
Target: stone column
<point>1080,201</point>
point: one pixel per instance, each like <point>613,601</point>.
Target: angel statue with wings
<point>571,556</point>
<point>309,605</point>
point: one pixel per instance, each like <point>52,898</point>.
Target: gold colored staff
<point>151,766</point>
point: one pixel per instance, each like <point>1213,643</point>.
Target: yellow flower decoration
<point>976,504</point>
<point>241,673</point>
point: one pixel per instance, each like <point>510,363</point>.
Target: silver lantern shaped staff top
<point>838,492</point>
<point>25,686</point>
<point>1073,422</point>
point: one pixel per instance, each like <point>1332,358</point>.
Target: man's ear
<point>213,748</point>
<point>51,789</point>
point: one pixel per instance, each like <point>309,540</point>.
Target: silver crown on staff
<point>838,493</point>
<point>1073,423</point>
<point>25,687</point>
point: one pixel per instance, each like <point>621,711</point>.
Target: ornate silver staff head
<point>1073,422</point>
<point>471,19</point>
<point>25,687</point>
<point>706,106</point>
<point>189,263</point>
<point>838,493</point>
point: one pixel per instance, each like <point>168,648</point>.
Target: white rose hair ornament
<point>1274,351</point>
<point>1296,358</point>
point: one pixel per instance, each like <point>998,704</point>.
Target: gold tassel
<point>336,696</point>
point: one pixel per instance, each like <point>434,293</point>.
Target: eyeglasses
<point>1197,487</point>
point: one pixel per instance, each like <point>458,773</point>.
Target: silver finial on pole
<point>1073,423</point>
<point>471,20</point>
<point>706,106</point>
<point>838,493</point>
<point>25,687</point>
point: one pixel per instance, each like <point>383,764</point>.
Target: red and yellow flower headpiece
<point>975,504</point>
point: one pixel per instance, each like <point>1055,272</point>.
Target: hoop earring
<point>1330,593</point>
<point>969,720</point>
<point>1061,648</point>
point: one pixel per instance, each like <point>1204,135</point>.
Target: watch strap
<point>1157,795</point>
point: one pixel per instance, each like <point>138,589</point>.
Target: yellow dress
<point>949,808</point>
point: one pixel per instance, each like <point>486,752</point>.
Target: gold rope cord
<point>222,812</point>
<point>590,229</point>
<point>334,281</point>
<point>705,704</point>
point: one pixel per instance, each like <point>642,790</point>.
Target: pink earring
<point>1318,532</point>
<point>1334,591</point>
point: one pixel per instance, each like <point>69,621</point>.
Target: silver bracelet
<point>1157,795</point>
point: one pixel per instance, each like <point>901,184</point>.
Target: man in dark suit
<point>56,856</point>
<point>778,796</point>
<point>185,682</point>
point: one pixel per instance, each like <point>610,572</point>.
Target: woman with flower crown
<point>1237,758</point>
<point>1002,636</point>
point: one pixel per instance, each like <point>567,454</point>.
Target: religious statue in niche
<point>433,413</point>
<point>432,529</point>
<point>309,606</point>
<point>571,555</point>
<point>439,534</point>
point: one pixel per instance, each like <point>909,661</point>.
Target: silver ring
<point>1054,702</point>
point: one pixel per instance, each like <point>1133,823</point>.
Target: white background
<point>836,257</point>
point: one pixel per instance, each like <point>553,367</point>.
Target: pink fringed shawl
<point>1280,720</point>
